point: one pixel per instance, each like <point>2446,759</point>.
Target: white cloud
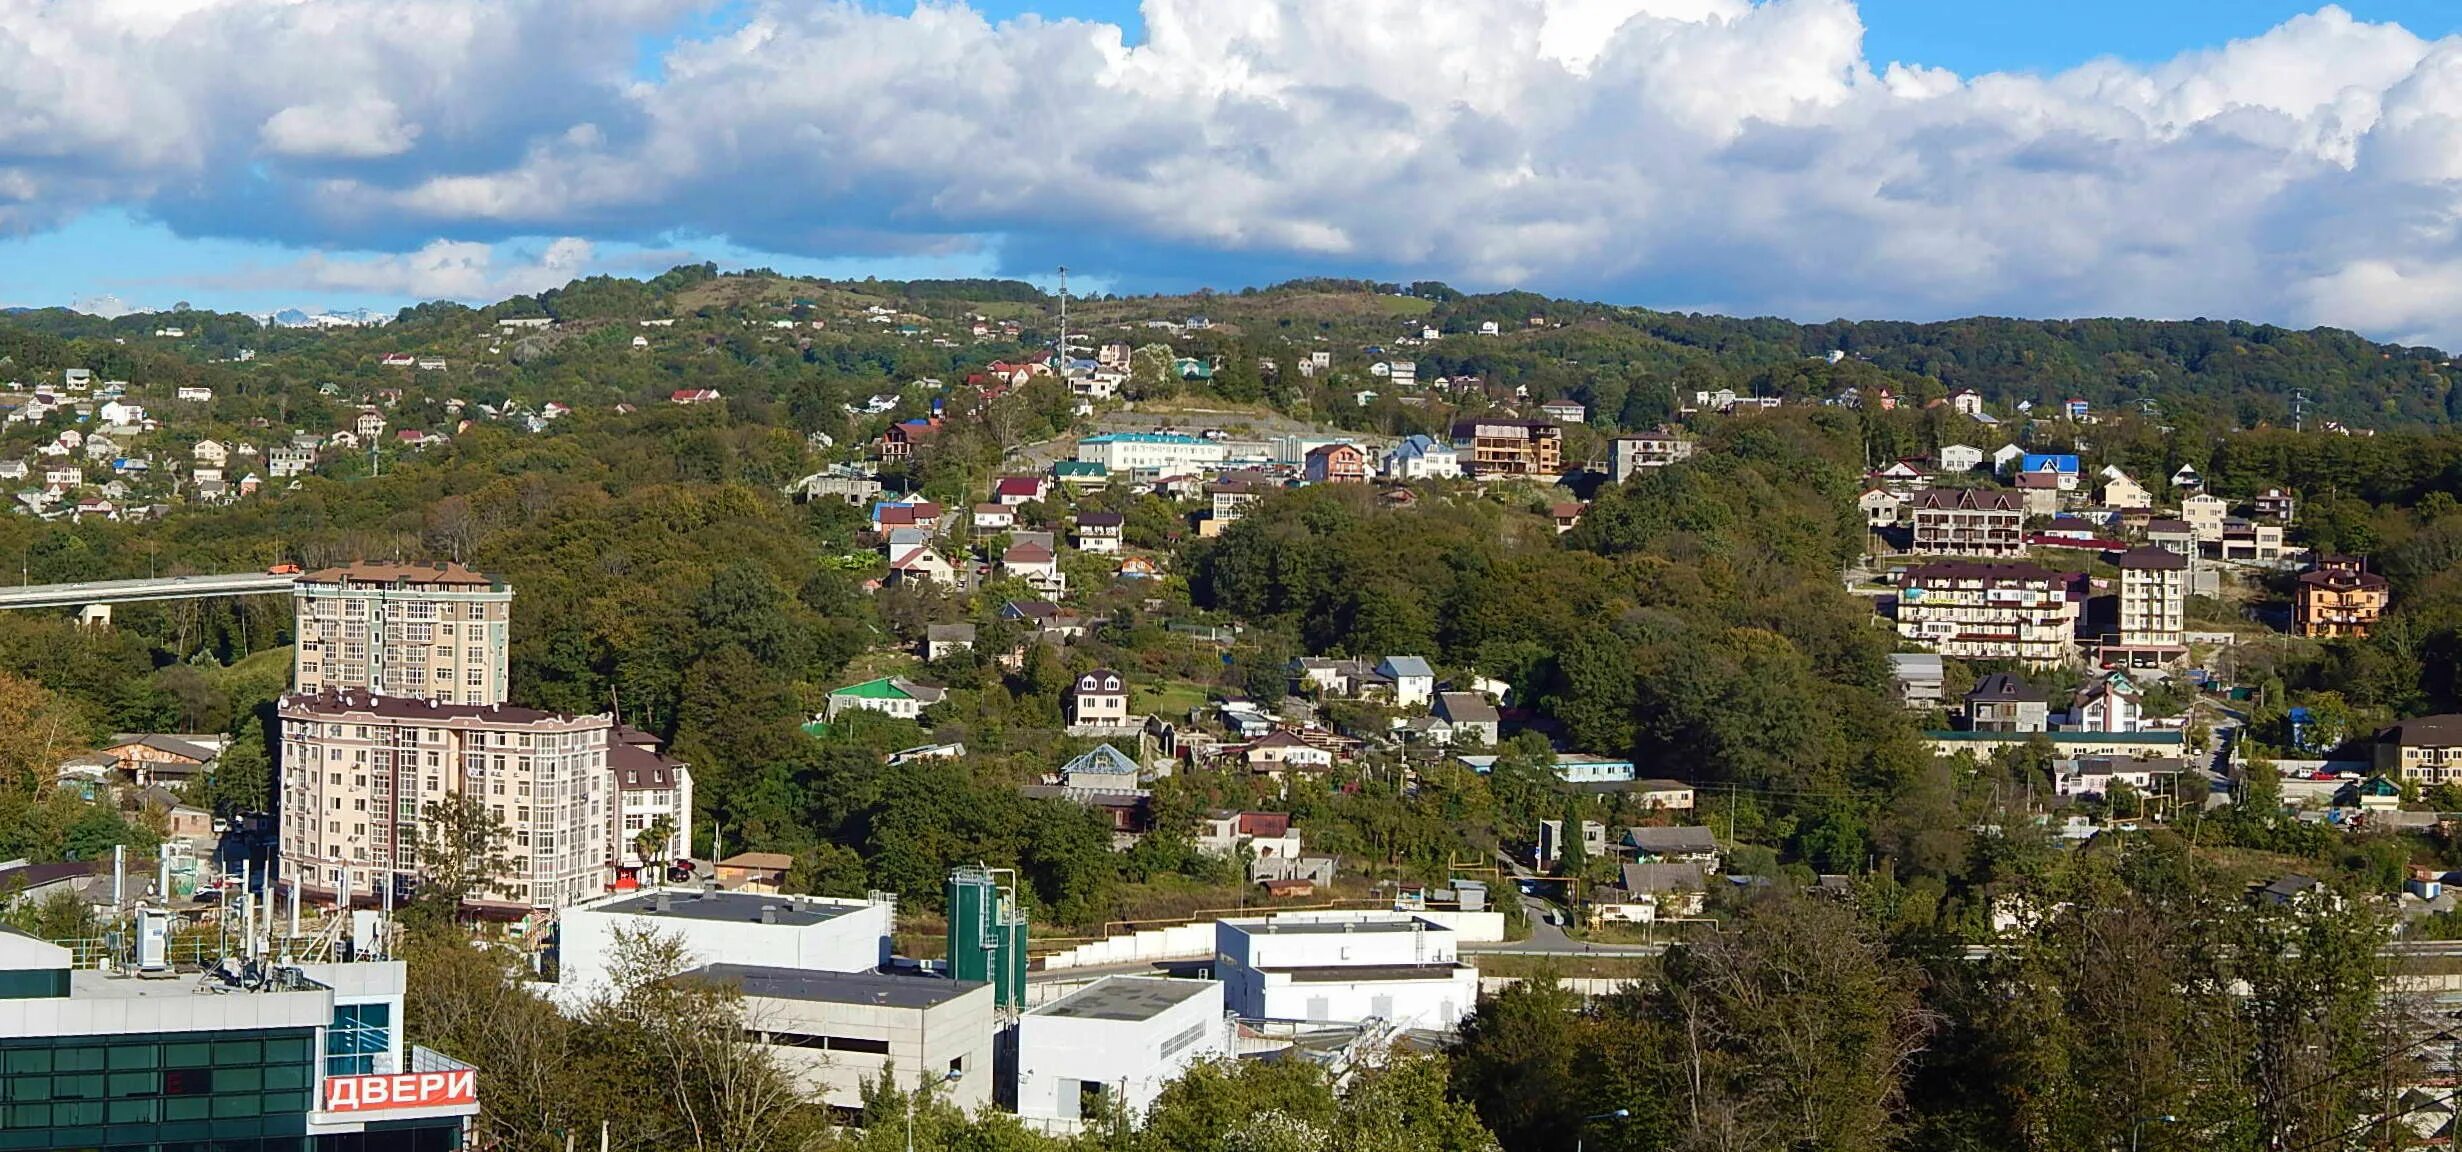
<point>1742,154</point>
<point>358,129</point>
<point>442,270</point>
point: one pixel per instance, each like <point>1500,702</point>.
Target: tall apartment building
<point>2153,604</point>
<point>1988,611</point>
<point>417,631</point>
<point>1496,449</point>
<point>2339,597</point>
<point>358,771</point>
<point>1968,522</point>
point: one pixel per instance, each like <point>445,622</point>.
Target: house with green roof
<point>889,696</point>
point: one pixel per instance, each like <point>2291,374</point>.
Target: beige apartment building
<point>359,769</point>
<point>417,631</point>
<point>1989,612</point>
<point>2153,606</point>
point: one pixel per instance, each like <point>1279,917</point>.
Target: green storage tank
<point>987,933</point>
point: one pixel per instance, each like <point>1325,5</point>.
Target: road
<point>133,591</point>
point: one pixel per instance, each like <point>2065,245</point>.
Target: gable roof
<point>2003,687</point>
<point>1401,666</point>
<point>1466,708</point>
<point>1639,878</point>
<point>1686,838</point>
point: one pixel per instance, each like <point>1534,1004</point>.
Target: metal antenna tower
<point>1063,366</point>
<point>2299,410</point>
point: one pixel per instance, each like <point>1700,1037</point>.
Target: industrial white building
<point>1389,966</point>
<point>836,1031</point>
<point>800,933</point>
<point>1120,452</point>
<point>1122,1038</point>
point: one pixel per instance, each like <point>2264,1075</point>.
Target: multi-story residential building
<point>1630,455</point>
<point>423,632</point>
<point>2153,604</point>
<point>649,787</point>
<point>2339,597</point>
<point>2275,504</point>
<point>1336,464</point>
<point>2204,513</point>
<point>1988,611</point>
<point>312,1059</point>
<point>1498,448</point>
<point>1968,522</point>
<point>2250,542</point>
<point>359,770</point>
<point>1165,452</point>
<point>2424,750</point>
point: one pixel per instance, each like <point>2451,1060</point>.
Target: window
<point>359,1032</point>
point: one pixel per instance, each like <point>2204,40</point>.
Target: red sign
<point>407,1090</point>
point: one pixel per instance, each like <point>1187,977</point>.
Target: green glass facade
<point>224,1091</point>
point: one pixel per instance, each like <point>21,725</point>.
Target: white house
<point>2107,704</point>
<point>1961,458</point>
<point>1422,458</point>
<point>1099,699</point>
<point>1414,682</point>
<point>1115,1043</point>
<point>192,392</point>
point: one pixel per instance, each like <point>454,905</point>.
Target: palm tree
<point>650,844</point>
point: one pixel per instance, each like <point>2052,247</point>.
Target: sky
<point>1919,159</point>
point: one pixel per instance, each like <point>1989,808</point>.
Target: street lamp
<point>1586,1122</point>
<point>2140,1126</point>
<point>952,1078</point>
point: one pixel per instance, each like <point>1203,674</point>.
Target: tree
<point>650,844</point>
<point>464,850</point>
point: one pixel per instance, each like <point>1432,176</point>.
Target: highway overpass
<point>97,596</point>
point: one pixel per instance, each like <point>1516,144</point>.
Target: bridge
<point>97,596</point>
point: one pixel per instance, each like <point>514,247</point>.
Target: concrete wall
<point>922,1042</point>
<point>1431,1003</point>
<point>1055,1054</point>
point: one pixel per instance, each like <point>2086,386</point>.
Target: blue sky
<point>1724,166</point>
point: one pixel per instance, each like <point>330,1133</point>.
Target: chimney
<point>665,903</point>
<point>769,913</point>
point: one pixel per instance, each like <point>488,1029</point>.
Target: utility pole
<point>1063,366</point>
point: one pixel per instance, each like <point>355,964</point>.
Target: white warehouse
<point>1126,452</point>
<point>1122,1038</point>
<point>1389,966</point>
<point>801,932</point>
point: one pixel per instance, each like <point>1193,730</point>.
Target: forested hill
<point>1630,366</point>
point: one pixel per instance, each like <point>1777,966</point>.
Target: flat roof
<point>740,907</point>
<point>915,990</point>
<point>1337,927</point>
<point>1345,973</point>
<point>1125,998</point>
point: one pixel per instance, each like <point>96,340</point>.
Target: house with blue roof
<point>1414,681</point>
<point>2063,467</point>
<point>1422,457</point>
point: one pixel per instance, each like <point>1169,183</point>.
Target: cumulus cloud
<point>1739,154</point>
<point>441,270</point>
